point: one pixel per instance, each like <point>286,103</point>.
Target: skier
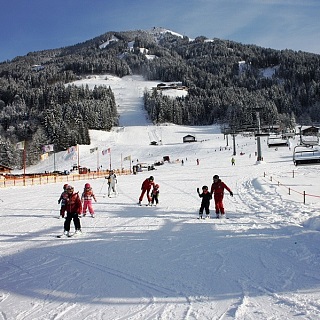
<point>205,202</point>
<point>86,199</point>
<point>112,181</point>
<point>145,188</point>
<point>155,194</point>
<point>217,189</point>
<point>62,200</point>
<point>74,209</point>
<point>233,161</point>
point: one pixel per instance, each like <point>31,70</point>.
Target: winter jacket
<point>147,184</point>
<point>112,179</point>
<point>88,195</point>
<point>206,197</point>
<point>155,192</point>
<point>74,204</point>
<point>218,187</point>
<point>63,198</point>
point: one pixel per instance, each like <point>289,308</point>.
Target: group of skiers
<point>217,191</point>
<point>73,206</point>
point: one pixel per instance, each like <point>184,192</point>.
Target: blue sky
<point>33,25</point>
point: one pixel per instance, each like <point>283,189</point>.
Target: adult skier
<point>145,188</point>
<point>112,181</point>
<point>217,190</point>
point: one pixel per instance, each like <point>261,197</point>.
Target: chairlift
<point>306,154</point>
<point>277,141</point>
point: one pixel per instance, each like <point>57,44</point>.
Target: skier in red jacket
<point>74,208</point>
<point>145,188</point>
<point>217,190</point>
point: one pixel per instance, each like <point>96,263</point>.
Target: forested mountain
<point>227,82</point>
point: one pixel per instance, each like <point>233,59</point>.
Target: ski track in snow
<point>161,262</point>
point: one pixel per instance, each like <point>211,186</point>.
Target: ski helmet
<point>87,186</point>
<point>70,187</point>
<point>65,186</point>
<point>151,178</point>
<point>156,186</point>
<point>215,177</point>
<point>205,188</point>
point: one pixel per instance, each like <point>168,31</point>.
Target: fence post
<point>304,197</point>
<point>292,173</point>
<point>289,191</point>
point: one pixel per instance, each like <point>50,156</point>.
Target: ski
<point>65,236</point>
<point>204,216</point>
<point>211,218</point>
<point>147,205</point>
<point>70,235</point>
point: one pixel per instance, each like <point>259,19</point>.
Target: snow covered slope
<point>161,262</point>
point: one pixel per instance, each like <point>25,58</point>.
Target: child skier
<point>155,194</point>
<point>86,199</point>
<point>205,202</point>
<point>62,200</point>
<point>73,207</point>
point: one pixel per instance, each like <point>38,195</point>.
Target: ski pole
<point>102,185</point>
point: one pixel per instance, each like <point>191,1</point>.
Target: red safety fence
<point>290,190</point>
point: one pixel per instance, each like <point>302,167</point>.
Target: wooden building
<point>309,131</point>
<point>4,169</point>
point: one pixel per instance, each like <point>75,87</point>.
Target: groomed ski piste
<point>162,262</point>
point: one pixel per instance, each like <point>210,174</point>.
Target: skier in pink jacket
<point>86,199</point>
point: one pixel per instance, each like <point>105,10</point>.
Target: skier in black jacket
<point>205,203</point>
